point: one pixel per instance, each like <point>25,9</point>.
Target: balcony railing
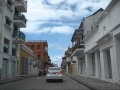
<point>19,34</point>
<point>77,46</point>
<point>21,5</point>
<point>20,17</point>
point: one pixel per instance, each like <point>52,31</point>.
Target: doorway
<point>5,68</point>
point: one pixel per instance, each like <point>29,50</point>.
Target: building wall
<point>110,20</point>
<point>91,21</point>
<point>26,63</point>
<point>106,37</point>
<point>8,63</point>
<point>5,32</point>
<point>40,52</point>
<point>91,38</point>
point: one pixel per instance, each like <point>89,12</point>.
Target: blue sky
<point>56,20</point>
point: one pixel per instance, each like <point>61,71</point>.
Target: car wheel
<point>61,80</point>
<point>47,80</point>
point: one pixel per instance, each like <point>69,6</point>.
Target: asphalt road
<point>39,83</point>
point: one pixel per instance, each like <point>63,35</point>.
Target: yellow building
<point>26,60</point>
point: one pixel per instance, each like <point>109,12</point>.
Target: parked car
<point>54,73</point>
<point>42,72</point>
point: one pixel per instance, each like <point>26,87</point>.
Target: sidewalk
<point>95,84</point>
<point>4,81</point>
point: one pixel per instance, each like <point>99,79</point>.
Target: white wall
<point>117,56</point>
<point>91,41</point>
<point>110,21</point>
<point>89,67</point>
<point>90,21</point>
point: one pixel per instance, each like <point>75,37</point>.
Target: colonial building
<point>102,45</point>
<point>68,62</point>
<point>27,65</point>
<point>74,56</point>
<point>77,50</point>
<point>40,50</point>
<point>89,25</point>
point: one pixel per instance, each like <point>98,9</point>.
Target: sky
<point>56,20</point>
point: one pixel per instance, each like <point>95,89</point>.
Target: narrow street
<point>39,83</point>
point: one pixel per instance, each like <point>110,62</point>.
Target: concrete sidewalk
<point>4,81</point>
<point>95,84</point>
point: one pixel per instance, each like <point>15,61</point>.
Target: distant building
<point>40,51</point>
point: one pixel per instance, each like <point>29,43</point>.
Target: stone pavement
<point>95,84</point>
<point>4,81</point>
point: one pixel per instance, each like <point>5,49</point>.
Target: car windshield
<point>54,68</point>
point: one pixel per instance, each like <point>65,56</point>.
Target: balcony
<point>77,46</point>
<point>14,58</point>
<point>68,60</point>
<point>21,5</point>
<point>18,37</point>
<point>20,20</point>
<point>78,49</point>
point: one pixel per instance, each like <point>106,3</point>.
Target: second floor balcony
<point>78,46</point>
<point>18,37</point>
<point>20,20</point>
<point>68,59</point>
<point>21,5</point>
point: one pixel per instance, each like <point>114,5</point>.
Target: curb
<point>15,79</point>
<point>82,82</point>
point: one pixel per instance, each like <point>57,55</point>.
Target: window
<point>13,51</point>
<point>104,28</point>
<point>38,53</point>
<point>38,56</point>
<point>6,46</point>
<point>9,3</point>
<point>15,28</point>
<point>8,22</point>
<point>38,46</point>
<point>32,47</point>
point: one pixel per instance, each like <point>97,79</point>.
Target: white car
<point>54,73</point>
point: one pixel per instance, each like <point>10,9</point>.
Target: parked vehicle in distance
<point>42,72</point>
<point>54,73</point>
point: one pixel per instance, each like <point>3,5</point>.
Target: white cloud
<point>54,2</point>
<point>52,30</point>
<point>38,10</point>
<point>62,29</point>
<point>56,59</point>
<point>71,2</point>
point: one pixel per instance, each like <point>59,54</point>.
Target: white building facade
<point>102,45</point>
<point>8,21</point>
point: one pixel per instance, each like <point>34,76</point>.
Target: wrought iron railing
<point>20,17</point>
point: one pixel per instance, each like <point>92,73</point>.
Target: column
<point>88,63</point>
<point>116,50</point>
<point>98,64</point>
<point>77,69</point>
<point>102,65</point>
<point>113,64</point>
<point>66,68</point>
